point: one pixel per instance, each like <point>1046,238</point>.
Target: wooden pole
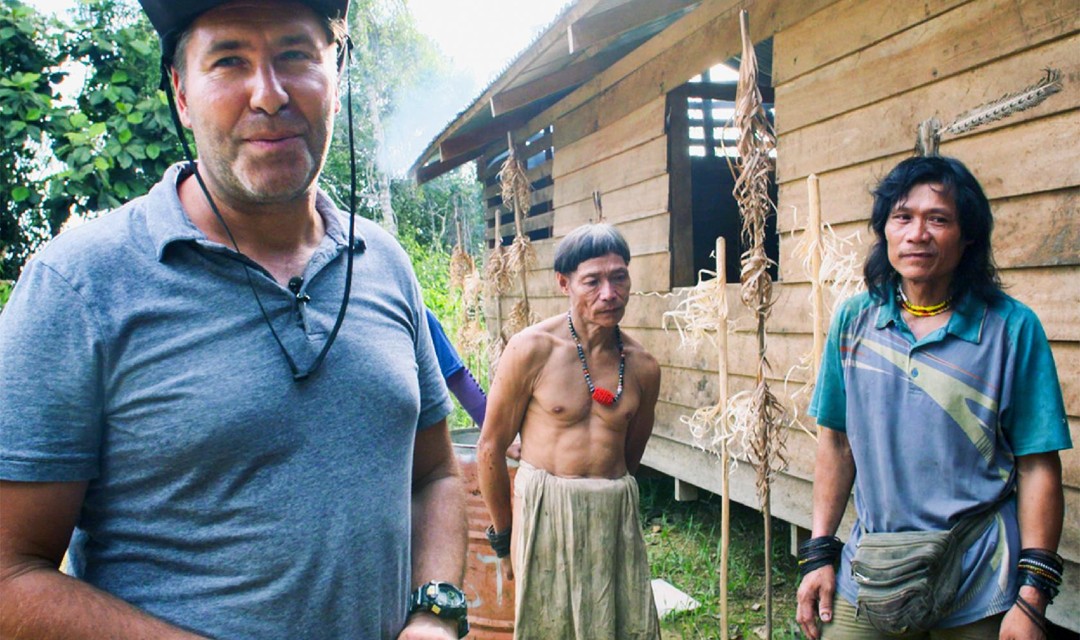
<point>766,508</point>
<point>813,227</point>
<point>725,455</point>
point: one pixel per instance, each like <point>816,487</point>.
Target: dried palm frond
<point>520,317</point>
<point>702,313</point>
<point>461,265</point>
<point>770,415</point>
<point>520,257</point>
<point>494,352</point>
<point>708,427</point>
<point>516,189</point>
<point>753,170</point>
<point>497,276</point>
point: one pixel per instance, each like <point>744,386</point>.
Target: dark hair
<point>976,272</point>
<point>587,242</point>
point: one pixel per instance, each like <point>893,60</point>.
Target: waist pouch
<point>909,580</point>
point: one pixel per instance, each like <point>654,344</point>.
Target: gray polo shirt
<point>223,496</point>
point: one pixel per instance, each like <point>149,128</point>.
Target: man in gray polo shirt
<point>166,419</point>
<point>940,403</point>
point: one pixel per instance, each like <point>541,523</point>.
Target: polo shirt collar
<point>966,321</point>
<point>167,222</point>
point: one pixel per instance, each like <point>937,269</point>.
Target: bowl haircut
<point>587,242</point>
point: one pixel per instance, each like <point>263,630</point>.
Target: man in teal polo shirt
<point>940,402</point>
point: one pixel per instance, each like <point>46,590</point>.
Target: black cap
<point>170,18</point>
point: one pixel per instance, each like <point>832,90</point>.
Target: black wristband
<point>819,552</point>
<point>500,541</point>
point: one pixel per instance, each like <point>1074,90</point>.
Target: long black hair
<point>976,272</point>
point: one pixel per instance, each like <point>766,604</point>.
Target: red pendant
<point>603,396</point>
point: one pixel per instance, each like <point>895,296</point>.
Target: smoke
<point>421,111</point>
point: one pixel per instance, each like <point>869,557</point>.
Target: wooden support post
<point>725,455</point>
<point>813,227</point>
<point>685,492</point>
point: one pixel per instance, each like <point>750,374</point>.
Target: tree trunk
<point>382,181</point>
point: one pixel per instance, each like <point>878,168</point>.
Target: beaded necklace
<point>600,394</point>
<point>920,311</point>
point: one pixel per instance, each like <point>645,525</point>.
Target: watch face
<point>445,596</point>
<point>443,599</point>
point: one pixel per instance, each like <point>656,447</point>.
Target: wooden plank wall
<point>627,163</point>
<point>847,109</point>
<point>853,78</point>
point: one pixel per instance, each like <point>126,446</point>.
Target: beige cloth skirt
<point>579,560</point>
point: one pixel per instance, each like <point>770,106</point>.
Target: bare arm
<point>1040,506</point>
<point>36,600</point>
<point>637,435</point>
<point>510,394</point>
<point>834,474</point>
<point>439,527</point>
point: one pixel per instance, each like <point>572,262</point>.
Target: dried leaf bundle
<point>520,257</point>
<point>461,266</point>
<point>516,189</point>
<point>521,316</point>
<point>753,168</point>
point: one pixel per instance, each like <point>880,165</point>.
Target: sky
<point>478,37</point>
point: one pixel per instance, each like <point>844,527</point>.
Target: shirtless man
<point>584,412</point>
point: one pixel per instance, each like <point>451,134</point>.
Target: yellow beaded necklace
<point>920,311</point>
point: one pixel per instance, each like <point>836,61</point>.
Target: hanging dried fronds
<point>520,257</point>
<point>494,352</point>
<point>516,189</point>
<point>472,337</point>
<point>753,168</point>
<point>753,172</point>
<point>521,316</point>
<point>461,266</point>
<point>701,313</point>
<point>497,276</point>
<point>841,268</point>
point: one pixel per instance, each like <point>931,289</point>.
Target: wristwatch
<point>444,600</point>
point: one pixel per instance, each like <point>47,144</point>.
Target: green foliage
<point>120,139</point>
<point>28,61</point>
<point>61,156</point>
<point>5,292</point>
<point>683,543</point>
<point>90,152</point>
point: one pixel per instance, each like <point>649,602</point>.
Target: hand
<point>514,450</point>
<point>507,568</point>
<point>815,600</point>
<point>424,625</point>
<point>1017,625</point>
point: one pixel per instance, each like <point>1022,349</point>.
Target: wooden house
<point>624,98</point>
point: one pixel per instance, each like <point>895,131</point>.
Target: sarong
<point>579,560</point>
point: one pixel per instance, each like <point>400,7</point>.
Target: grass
<point>683,543</point>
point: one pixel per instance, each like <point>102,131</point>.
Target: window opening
<point>701,141</point>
